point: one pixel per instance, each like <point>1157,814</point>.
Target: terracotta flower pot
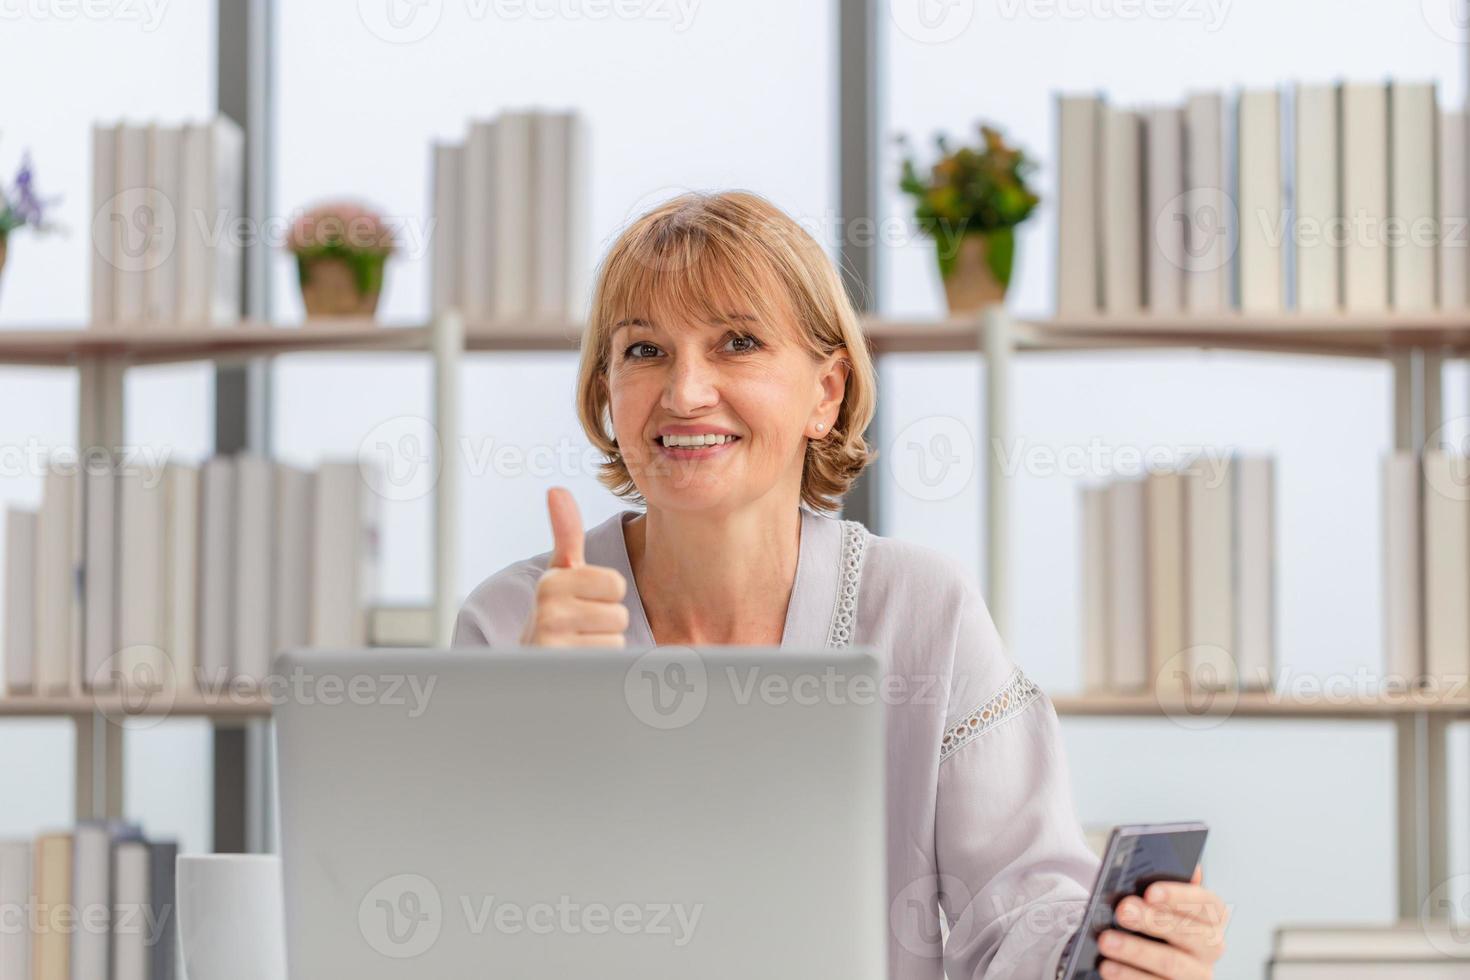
<point>332,286</point>
<point>3,240</point>
<point>976,270</point>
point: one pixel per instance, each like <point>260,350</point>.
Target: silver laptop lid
<point>657,813</point>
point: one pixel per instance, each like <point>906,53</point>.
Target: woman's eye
<point>641,349</point>
<point>744,343</point>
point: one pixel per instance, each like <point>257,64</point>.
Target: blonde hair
<point>690,257</point>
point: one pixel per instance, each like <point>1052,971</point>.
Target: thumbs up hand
<point>577,605</point>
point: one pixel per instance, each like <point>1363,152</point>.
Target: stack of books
<point>182,577</point>
<point>166,208</point>
<point>1403,951</point>
<point>1179,579</point>
<point>1317,198</point>
<point>512,222</point>
<point>90,903</point>
<point>1426,575</point>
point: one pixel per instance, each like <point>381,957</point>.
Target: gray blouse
<point>980,815</point>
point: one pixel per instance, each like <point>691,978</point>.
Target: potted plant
<point>970,203</point>
<point>341,249</point>
<point>20,207</point>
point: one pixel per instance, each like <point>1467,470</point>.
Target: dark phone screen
<point>1134,861</point>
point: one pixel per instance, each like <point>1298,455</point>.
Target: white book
<point>104,186</point>
<point>1164,514</point>
<point>1454,212</point>
<point>1413,258</point>
<point>578,184</point>
<point>130,953</point>
<point>141,658</point>
<point>1209,602</point>
<point>1404,941</point>
<point>510,299</point>
<point>1318,279</point>
<point>1164,228</point>
<point>20,601</point>
<point>1255,571</point>
<point>1210,230</point>
<point>1364,161</point>
<point>16,897</point>
<point>255,513</point>
<point>1095,629</point>
<point>477,198</point>
<point>292,576</point>
<point>1078,206</point>
<point>56,571</point>
<point>181,571</point>
<point>1402,587</point>
<point>133,227</point>
<point>1127,587</point>
<point>99,576</point>
<point>216,571</point>
<point>447,246</point>
<point>1446,566</point>
<point>550,136</point>
<point>1122,223</point>
<point>1260,201</point>
<point>92,898</point>
<point>161,275</point>
<point>213,200</point>
<point>344,556</point>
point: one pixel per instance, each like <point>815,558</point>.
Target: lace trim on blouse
<point>844,611</point>
<point>1018,692</point>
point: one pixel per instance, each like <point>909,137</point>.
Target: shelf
<point>178,342</point>
<point>1286,333</point>
<point>1252,704</point>
<point>1338,335</point>
<point>1259,704</point>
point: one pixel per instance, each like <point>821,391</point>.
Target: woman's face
<point>747,390</point>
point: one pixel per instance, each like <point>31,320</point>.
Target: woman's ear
<point>833,381</point>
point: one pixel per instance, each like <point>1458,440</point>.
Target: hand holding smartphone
<point>1136,857</point>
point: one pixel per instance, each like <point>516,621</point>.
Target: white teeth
<point>704,439</point>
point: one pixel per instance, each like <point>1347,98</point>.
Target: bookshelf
<point>102,353</point>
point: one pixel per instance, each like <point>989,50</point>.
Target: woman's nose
<point>690,388</point>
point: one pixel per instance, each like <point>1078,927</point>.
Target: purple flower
<point>21,205</point>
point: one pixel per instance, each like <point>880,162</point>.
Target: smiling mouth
<point>695,446</point>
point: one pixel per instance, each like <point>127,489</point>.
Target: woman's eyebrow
<point>631,322</point>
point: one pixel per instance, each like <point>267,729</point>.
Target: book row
<point>184,577</point>
<point>1318,198</point>
<point>1178,584</point>
<point>511,220</point>
<point>95,902</point>
<point>1426,548</point>
<point>166,201</point>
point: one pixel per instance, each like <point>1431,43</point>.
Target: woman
<point>725,376</point>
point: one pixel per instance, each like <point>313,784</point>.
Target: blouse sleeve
<point>496,610</point>
<point>1014,867</point>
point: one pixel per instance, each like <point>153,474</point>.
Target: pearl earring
<point>819,427</point>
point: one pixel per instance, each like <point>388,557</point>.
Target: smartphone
<point>1136,857</point>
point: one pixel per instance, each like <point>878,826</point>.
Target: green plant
<point>347,231</point>
<point>978,190</point>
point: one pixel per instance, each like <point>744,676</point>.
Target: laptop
<point>656,813</point>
